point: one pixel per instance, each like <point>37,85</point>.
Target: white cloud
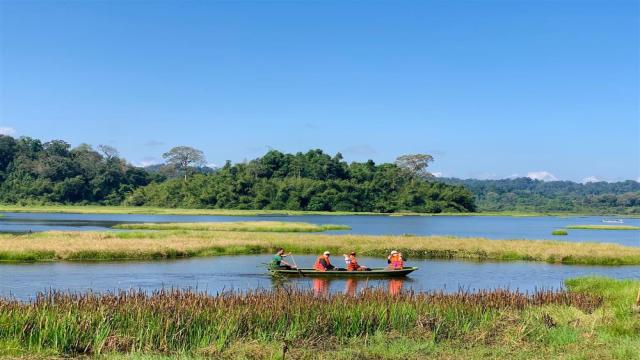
<point>589,179</point>
<point>541,175</point>
<point>212,165</point>
<point>437,174</point>
<point>147,161</point>
<point>7,130</point>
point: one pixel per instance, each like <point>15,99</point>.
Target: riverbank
<point>593,319</point>
<point>602,227</point>
<point>149,245</point>
<point>96,209</point>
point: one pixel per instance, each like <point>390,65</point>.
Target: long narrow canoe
<point>374,272</point>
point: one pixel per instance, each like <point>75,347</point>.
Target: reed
<point>248,226</point>
<point>173,321</point>
<point>49,246</point>
<point>603,227</point>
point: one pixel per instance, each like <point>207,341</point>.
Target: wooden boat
<point>374,272</point>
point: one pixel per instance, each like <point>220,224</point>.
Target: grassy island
<point>603,227</point>
<point>248,226</point>
<point>50,246</point>
<point>592,319</point>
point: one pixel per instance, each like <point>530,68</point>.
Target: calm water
<point>218,274</point>
<point>493,227</point>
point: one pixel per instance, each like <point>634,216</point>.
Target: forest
<point>53,172</point>
<point>525,194</point>
<point>36,172</point>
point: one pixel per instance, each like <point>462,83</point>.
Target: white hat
<point>326,253</point>
<point>394,252</point>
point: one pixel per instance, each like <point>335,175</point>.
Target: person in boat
<point>323,262</point>
<point>278,263</point>
<point>395,260</point>
<point>352,262</point>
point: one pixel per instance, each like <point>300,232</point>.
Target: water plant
<point>249,226</point>
<point>560,232</point>
<point>49,246</point>
<point>603,227</point>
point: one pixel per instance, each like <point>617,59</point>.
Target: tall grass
<point>184,243</point>
<point>174,321</point>
<point>603,227</point>
<point>248,226</point>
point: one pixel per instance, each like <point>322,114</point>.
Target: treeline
<point>52,172</point>
<point>525,194</point>
<point>33,172</point>
<point>307,181</point>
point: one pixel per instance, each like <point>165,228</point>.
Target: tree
<point>183,157</point>
<point>109,152</point>
<point>415,164</point>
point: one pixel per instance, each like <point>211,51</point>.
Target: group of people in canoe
<point>395,261</point>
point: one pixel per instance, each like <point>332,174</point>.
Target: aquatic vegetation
<point>187,243</point>
<point>249,226</point>
<point>174,321</point>
<point>603,227</point>
<point>559,232</point>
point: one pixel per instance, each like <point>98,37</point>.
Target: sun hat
<point>394,252</point>
<point>326,253</point>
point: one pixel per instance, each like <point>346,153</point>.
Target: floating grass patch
<point>559,232</point>
<point>603,227</point>
<point>248,226</point>
<point>48,246</point>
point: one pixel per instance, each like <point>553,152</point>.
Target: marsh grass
<point>603,227</point>
<point>172,321</point>
<point>248,226</point>
<point>185,243</point>
<point>559,232</point>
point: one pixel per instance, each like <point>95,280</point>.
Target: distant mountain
<point>525,194</point>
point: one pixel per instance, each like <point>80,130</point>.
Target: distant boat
<point>613,221</point>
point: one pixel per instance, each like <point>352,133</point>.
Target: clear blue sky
<point>490,88</point>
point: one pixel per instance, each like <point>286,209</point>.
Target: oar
<point>296,265</point>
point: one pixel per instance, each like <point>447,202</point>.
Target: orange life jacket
<point>353,263</point>
<point>396,262</point>
<point>318,265</point>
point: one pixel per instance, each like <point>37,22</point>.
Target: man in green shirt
<point>278,263</point>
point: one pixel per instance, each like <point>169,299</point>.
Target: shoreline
<point>129,210</point>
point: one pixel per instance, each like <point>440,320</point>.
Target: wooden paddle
<point>296,265</point>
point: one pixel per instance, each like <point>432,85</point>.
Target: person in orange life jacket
<point>323,263</point>
<point>395,260</point>
<point>352,262</point>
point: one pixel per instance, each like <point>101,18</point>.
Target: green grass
<point>247,226</point>
<point>603,227</point>
<point>149,245</point>
<point>559,232</point>
<point>97,209</point>
<point>592,320</point>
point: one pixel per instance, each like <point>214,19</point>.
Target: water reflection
<point>352,287</point>
<point>320,286</point>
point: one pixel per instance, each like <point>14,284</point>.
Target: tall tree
<point>415,164</point>
<point>184,157</point>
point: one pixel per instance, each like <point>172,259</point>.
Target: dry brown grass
<point>145,245</point>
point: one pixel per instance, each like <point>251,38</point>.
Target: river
<point>492,227</point>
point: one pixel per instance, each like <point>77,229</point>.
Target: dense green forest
<point>525,194</point>
<point>33,172</point>
<point>36,172</point>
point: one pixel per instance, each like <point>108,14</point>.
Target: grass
<point>603,227</point>
<point>51,246</point>
<point>590,320</point>
<point>248,226</point>
<point>98,209</point>
<point>559,232</point>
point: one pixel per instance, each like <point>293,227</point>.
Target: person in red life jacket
<point>395,260</point>
<point>352,263</point>
<point>323,263</point>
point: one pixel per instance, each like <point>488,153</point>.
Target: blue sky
<point>491,89</point>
